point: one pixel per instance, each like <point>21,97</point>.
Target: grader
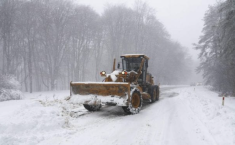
<point>127,87</point>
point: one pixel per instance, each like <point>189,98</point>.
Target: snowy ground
<point>182,116</point>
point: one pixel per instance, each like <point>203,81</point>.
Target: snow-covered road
<point>182,116</point>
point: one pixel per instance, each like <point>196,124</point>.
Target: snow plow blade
<point>100,89</point>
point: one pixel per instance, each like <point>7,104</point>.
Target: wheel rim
<point>135,101</point>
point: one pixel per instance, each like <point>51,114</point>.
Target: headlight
<point>102,73</point>
<point>124,72</point>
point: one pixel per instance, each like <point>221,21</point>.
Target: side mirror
<point>118,66</point>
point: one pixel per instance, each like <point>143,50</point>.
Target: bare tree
<point>8,12</point>
<point>47,44</point>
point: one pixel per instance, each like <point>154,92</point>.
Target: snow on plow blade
<point>100,89</point>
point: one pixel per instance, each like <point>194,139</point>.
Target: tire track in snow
<point>170,121</point>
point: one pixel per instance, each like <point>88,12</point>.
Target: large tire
<point>135,104</point>
<point>92,107</point>
<point>154,93</point>
<point>158,93</point>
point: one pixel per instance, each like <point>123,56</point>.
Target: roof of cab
<point>135,55</point>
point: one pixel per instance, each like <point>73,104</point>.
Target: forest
<point>217,47</point>
<point>45,44</point>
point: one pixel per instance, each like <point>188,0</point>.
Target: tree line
<point>48,43</point>
<point>217,46</point>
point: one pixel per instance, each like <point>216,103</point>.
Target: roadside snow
<point>30,121</point>
<point>218,119</point>
<point>208,115</point>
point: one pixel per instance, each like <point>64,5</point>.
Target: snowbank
<point>9,88</point>
<point>38,117</point>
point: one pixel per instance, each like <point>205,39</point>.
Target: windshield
<point>131,64</point>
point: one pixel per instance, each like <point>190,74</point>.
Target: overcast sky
<point>183,19</point>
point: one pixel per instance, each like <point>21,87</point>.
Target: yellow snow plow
<point>126,87</point>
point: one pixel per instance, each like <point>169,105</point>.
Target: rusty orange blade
<point>100,89</point>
